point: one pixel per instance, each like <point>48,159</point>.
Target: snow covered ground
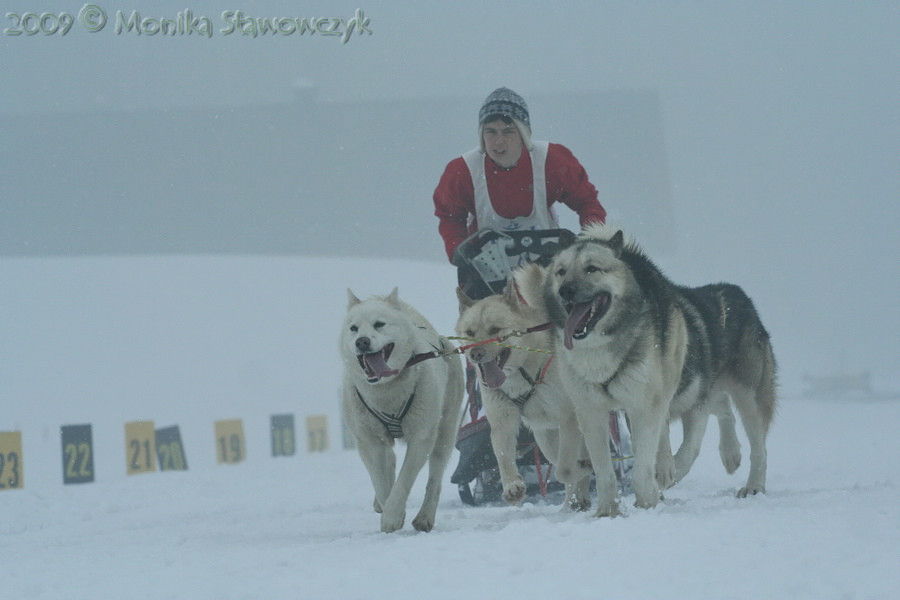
<point>189,341</point>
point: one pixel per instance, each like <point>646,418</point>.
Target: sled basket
<point>486,258</point>
<point>473,440</point>
<point>477,475</point>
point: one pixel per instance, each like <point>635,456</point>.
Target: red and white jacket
<point>508,195</point>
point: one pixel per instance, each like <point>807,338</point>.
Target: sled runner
<point>485,261</point>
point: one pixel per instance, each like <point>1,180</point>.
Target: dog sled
<point>485,262</point>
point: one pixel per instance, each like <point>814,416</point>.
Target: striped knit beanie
<point>504,102</point>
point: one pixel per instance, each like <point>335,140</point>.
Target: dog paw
<point>611,511</point>
<point>392,523</point>
<point>648,501</point>
<point>423,522</point>
<point>514,492</point>
<point>751,490</point>
<point>645,503</point>
<point>576,504</point>
<point>666,474</point>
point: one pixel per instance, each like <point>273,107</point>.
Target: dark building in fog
<point>310,178</point>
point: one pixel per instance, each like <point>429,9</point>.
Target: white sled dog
<point>386,397</point>
<point>519,385</point>
<point>633,340</point>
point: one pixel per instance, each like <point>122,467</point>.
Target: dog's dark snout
<point>363,344</point>
<point>477,354</point>
<point>567,292</point>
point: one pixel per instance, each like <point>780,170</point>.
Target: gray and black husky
<point>633,340</point>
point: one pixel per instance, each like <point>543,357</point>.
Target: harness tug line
<point>393,423</point>
<point>438,353</point>
<point>498,341</point>
<point>417,358</point>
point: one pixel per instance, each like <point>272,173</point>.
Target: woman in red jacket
<point>510,183</point>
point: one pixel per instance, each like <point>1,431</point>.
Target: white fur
<point>430,425</point>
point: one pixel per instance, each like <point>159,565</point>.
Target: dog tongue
<point>574,322</point>
<point>377,366</point>
<point>493,374</point>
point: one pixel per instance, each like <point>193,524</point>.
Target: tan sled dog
<point>384,399</point>
<point>523,386</point>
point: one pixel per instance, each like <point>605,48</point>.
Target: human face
<point>502,142</point>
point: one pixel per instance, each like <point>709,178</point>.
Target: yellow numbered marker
<point>77,453</point>
<point>170,450</point>
<point>282,427</point>
<point>140,447</point>
<point>316,433</point>
<point>12,472</point>
<point>230,447</point>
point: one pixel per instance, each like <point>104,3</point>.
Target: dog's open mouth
<point>375,364</point>
<point>492,371</point>
<point>582,318</point>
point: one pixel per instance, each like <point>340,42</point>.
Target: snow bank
<point>191,340</point>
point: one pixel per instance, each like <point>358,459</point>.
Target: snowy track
<point>303,528</point>
<point>191,340</point>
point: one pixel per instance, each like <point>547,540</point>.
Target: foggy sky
<point>781,120</point>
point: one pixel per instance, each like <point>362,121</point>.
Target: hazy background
<point>768,131</point>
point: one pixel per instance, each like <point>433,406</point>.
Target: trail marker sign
<point>316,433</point>
<point>230,446</point>
<point>12,471</point>
<point>140,447</point>
<point>283,443</point>
<point>77,453</point>
<point>170,450</point>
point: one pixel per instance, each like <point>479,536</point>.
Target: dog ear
<point>530,280</point>
<point>392,298</point>
<point>617,242</point>
<point>511,294</point>
<point>352,300</point>
<point>566,239</point>
<point>464,300</point>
